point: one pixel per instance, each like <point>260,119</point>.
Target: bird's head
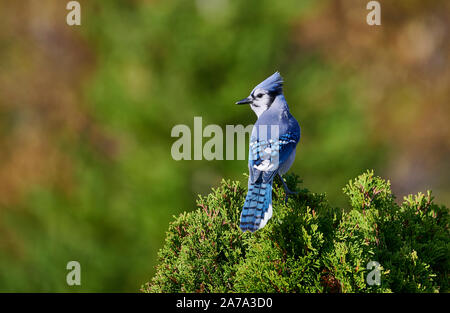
<point>263,95</point>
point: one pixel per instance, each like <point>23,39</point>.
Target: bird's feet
<point>287,191</point>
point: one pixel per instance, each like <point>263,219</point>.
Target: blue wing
<point>266,156</point>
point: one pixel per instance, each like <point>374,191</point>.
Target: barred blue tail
<point>257,207</point>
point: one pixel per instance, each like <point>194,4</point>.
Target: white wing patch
<point>267,217</point>
<point>265,166</point>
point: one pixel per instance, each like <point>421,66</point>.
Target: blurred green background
<point>86,113</point>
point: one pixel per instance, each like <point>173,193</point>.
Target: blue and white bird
<point>273,142</point>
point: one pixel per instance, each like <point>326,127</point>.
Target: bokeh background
<point>86,113</point>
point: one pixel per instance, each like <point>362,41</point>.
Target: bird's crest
<point>272,84</point>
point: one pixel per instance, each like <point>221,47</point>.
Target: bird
<point>272,147</point>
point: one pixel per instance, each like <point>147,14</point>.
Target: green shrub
<point>308,246</point>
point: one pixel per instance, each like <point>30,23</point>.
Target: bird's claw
<point>288,193</point>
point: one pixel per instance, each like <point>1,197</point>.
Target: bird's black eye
<point>260,95</point>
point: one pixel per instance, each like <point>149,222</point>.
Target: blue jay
<point>272,150</point>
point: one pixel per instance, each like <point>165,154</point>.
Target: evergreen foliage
<point>308,245</point>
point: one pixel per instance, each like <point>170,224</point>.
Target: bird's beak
<point>245,101</point>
